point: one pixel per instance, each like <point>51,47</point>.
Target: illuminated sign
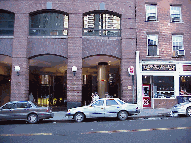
<point>157,67</point>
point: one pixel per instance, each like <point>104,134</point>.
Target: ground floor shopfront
<point>46,80</point>
<point>160,83</point>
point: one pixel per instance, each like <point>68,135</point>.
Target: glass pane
<point>111,102</point>
<point>65,21</point>
<point>65,32</point>
<point>164,86</point>
<point>3,24</point>
<point>6,32</point>
<point>10,24</point>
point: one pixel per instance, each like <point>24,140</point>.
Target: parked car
<point>104,107</point>
<point>181,109</point>
<point>25,110</point>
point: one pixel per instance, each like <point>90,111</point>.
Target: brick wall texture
<point>74,47</point>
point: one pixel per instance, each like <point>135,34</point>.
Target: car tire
<point>122,115</point>
<point>79,117</point>
<point>32,118</point>
<point>188,112</point>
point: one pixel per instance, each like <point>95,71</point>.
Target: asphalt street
<point>158,130</point>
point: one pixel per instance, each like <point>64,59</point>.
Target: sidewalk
<point>145,113</point>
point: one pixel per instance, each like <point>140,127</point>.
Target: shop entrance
<point>146,95</point>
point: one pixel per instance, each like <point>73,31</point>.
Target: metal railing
<point>101,32</point>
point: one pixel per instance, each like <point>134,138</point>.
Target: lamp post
<point>17,69</point>
<point>74,70</point>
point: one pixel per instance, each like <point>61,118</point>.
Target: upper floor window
<point>48,23</point>
<point>151,12</point>
<point>175,13</point>
<point>101,23</point>
<point>177,45</point>
<point>6,23</point>
<point>152,45</point>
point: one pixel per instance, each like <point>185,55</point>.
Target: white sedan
<point>182,108</point>
<point>104,107</point>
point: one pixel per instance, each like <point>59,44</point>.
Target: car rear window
<point>111,102</point>
<point>121,102</point>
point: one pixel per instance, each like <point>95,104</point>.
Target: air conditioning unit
<point>151,18</point>
<point>181,52</point>
<point>176,19</point>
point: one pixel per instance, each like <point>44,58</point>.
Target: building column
<point>102,79</point>
<point>74,83</point>
<point>20,84</point>
<point>128,59</point>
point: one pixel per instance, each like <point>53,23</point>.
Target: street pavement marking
<point>33,134</point>
<point>138,130</point>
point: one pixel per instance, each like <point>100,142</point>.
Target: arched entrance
<point>101,73</point>
<point>5,79</point>
<point>48,80</point>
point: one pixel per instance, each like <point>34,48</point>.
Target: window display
<point>163,86</point>
<point>185,85</point>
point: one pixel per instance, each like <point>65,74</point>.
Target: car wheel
<point>79,117</point>
<point>32,118</point>
<point>122,115</point>
<point>188,111</point>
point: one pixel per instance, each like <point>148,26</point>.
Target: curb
<point>131,117</point>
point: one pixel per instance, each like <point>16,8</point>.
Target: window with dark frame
<point>48,23</point>
<point>6,23</point>
<point>101,23</point>
<point>152,45</point>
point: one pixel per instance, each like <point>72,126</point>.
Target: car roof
<point>18,101</point>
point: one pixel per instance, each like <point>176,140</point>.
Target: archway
<point>48,80</point>
<point>5,78</point>
<point>92,78</point>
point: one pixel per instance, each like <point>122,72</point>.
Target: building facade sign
<point>186,67</point>
<point>158,67</point>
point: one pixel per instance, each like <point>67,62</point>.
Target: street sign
<point>131,70</point>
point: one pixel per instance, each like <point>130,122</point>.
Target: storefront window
<point>163,86</point>
<point>185,85</point>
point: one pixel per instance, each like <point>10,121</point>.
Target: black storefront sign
<point>158,67</point>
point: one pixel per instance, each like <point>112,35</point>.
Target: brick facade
<point>164,28</point>
<point>76,47</point>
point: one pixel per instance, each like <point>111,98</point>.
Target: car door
<point>98,109</point>
<point>7,110</point>
<point>21,111</point>
<point>111,108</point>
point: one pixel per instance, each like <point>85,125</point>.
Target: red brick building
<point>47,38</point>
<point>164,57</point>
